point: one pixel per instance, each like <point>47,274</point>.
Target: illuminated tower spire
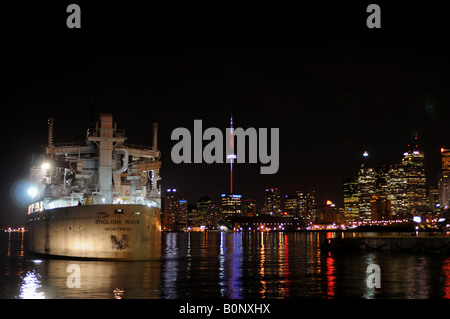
<point>231,156</point>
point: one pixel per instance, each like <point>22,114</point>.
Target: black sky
<point>334,87</point>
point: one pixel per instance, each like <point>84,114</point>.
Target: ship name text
<point>116,222</point>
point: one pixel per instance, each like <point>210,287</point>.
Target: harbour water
<point>225,265</point>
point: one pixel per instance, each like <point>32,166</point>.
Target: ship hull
<point>109,232</point>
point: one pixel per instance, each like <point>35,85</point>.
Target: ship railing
<point>71,144</point>
<point>147,150</point>
<point>139,147</point>
<point>96,132</point>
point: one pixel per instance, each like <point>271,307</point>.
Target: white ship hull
<point>112,232</point>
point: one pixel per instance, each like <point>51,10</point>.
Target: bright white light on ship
<point>32,191</point>
<point>45,166</point>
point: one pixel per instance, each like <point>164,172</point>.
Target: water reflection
<point>331,278</point>
<point>170,270</point>
<point>446,274</point>
<point>31,284</point>
<point>228,265</point>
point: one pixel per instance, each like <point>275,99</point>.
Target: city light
<point>45,166</point>
<point>32,191</point>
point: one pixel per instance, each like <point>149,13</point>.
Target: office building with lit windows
<point>444,190</point>
<point>444,179</point>
<point>433,199</point>
<point>351,199</point>
<point>207,212</point>
<point>396,190</point>
<point>307,205</point>
<point>231,205</point>
<point>380,207</point>
<point>272,201</point>
<point>291,205</point>
<point>416,191</point>
<point>366,189</point>
<point>174,211</point>
<point>445,160</point>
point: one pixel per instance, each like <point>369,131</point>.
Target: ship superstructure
<point>101,170</point>
<point>99,198</point>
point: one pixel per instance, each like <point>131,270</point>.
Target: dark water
<point>227,265</point>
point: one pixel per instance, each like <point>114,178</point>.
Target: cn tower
<point>231,156</point>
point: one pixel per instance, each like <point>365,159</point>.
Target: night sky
<point>332,86</point>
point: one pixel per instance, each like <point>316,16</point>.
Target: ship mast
<point>105,137</point>
<point>50,132</point>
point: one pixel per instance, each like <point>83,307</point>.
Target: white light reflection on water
<point>31,283</point>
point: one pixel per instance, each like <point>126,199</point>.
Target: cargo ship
<point>96,199</point>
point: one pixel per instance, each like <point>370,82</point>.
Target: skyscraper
<point>291,205</point>
<point>207,212</point>
<point>351,199</point>
<point>416,191</point>
<point>396,190</point>
<point>445,158</point>
<point>444,180</point>
<point>433,199</point>
<point>307,205</point>
<point>175,211</point>
<point>272,201</point>
<point>366,189</point>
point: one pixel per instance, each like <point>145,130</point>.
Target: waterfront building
<point>207,212</point>
<point>291,206</point>
<point>433,199</point>
<point>416,192</point>
<point>396,190</point>
<point>194,218</point>
<point>249,207</point>
<point>366,189</point>
<point>307,205</point>
<point>330,214</point>
<point>444,180</point>
<point>351,199</point>
<point>231,205</point>
<point>272,201</point>
<point>445,159</point>
<point>444,190</point>
<point>380,207</point>
<point>174,211</point>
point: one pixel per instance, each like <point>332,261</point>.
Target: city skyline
<point>332,86</point>
<point>387,192</point>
